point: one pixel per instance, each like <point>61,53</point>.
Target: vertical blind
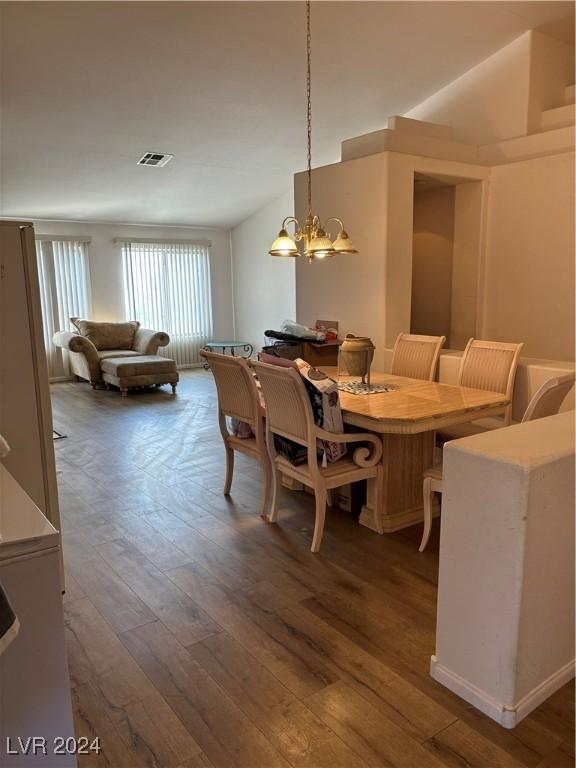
<point>64,278</point>
<point>167,288</point>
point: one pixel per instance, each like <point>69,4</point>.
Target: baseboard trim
<point>507,715</point>
<point>542,692</point>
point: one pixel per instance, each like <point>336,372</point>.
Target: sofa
<point>92,342</point>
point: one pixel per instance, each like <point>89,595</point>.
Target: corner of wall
<point>551,69</point>
<point>486,103</point>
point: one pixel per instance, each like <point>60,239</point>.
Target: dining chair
<point>416,356</point>
<point>489,365</point>
<point>289,415</point>
<point>238,398</point>
<point>546,401</point>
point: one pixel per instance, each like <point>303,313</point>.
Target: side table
<point>233,346</point>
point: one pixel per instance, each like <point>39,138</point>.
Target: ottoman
<point>141,371</point>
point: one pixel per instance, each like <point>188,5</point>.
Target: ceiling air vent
<point>158,159</point>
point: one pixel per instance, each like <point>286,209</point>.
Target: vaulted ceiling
<point>88,87</point>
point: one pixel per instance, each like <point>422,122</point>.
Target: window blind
<point>64,277</point>
<point>167,288</point>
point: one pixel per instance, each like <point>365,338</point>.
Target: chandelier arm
<point>290,220</point>
<point>298,234</point>
<point>340,223</point>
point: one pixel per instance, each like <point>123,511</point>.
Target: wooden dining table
<point>406,419</point>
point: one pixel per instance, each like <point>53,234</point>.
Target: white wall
<point>350,289</point>
<point>467,262</point>
<point>264,287</point>
<point>503,96</point>
<point>552,68</point>
<point>106,265</point>
<point>433,247</point>
<point>369,293</point>
<point>513,272</point>
<point>489,102</point>
<point>529,284</point>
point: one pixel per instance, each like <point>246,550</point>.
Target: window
<point>64,278</point>
<point>167,288</point>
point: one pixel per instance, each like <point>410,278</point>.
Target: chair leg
<point>276,483</point>
<point>229,470</point>
<point>330,497</point>
<point>319,522</point>
<point>267,485</point>
<point>428,494</point>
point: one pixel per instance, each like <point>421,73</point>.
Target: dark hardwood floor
<point>198,635</point>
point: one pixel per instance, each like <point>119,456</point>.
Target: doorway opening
<point>445,257</point>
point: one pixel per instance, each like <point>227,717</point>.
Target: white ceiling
<point>88,87</point>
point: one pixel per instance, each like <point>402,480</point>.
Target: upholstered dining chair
<point>416,356</point>
<point>546,401</point>
<point>238,398</point>
<point>289,415</point>
<point>489,365</point>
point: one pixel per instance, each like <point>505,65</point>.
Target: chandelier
<point>316,243</point>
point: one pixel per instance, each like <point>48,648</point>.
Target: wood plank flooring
<point>201,637</point>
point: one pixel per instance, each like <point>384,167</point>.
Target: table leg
<point>394,498</point>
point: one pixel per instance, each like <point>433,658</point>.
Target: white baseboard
<point>508,715</point>
<point>542,692</point>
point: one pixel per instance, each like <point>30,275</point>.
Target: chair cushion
<point>104,353</point>
<point>108,335</point>
<point>126,367</point>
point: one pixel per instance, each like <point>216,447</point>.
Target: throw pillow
<point>108,335</point>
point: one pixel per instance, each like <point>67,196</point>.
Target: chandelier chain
<point>316,240</point>
<point>309,103</point>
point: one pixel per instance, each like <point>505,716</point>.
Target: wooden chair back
<point>288,409</point>
<point>416,356</point>
<point>547,400</point>
<point>490,365</point>
<point>237,392</point>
